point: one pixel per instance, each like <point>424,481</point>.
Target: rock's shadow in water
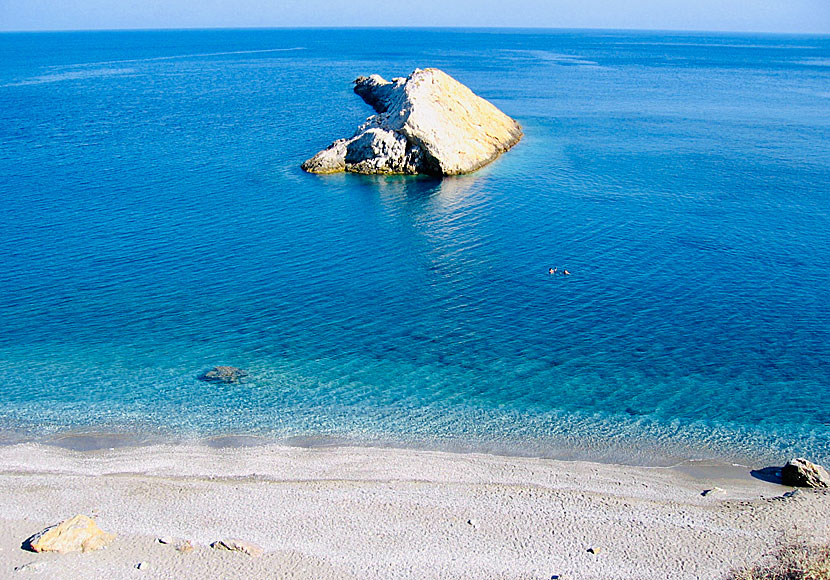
<point>768,474</point>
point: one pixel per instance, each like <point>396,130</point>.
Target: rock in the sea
<point>238,546</point>
<point>426,123</point>
<point>802,473</point>
<point>77,534</point>
<point>223,374</point>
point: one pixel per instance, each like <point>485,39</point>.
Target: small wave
<point>812,93</point>
<point>176,56</point>
<point>559,58</point>
<point>71,76</point>
<point>718,45</point>
<point>814,61</point>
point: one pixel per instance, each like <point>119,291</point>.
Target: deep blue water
<point>154,222</point>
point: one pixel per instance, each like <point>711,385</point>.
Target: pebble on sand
<point>30,567</point>
<point>180,545</point>
<point>238,546</point>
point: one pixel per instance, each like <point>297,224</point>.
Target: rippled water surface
<point>154,222</point>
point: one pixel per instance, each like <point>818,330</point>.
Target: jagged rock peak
<point>378,92</point>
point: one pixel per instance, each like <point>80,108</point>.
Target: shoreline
<point>358,512</point>
<point>626,450</point>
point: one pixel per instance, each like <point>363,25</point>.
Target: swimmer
<point>552,271</point>
<point>565,273</point>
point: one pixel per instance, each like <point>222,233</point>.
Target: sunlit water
<point>154,222</point>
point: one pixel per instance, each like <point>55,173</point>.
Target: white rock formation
<point>426,123</point>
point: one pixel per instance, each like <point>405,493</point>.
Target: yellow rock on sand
<point>77,534</point>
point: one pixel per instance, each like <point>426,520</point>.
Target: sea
<point>155,222</point>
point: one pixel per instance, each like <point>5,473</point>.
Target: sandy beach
<point>341,512</point>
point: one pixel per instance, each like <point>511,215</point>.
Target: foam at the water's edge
<point>711,469</point>
<point>624,451</point>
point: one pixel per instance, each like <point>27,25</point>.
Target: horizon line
<point>398,27</point>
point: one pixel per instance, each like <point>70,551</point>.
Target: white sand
<point>386,513</point>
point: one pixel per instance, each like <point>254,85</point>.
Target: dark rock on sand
<point>802,473</point>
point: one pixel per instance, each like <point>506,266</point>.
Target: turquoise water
<point>154,223</point>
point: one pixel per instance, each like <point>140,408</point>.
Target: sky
<point>786,16</point>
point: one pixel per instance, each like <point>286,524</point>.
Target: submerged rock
<point>802,473</point>
<point>77,534</point>
<point>426,123</point>
<point>223,374</point>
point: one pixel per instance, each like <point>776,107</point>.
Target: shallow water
<point>155,222</point>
